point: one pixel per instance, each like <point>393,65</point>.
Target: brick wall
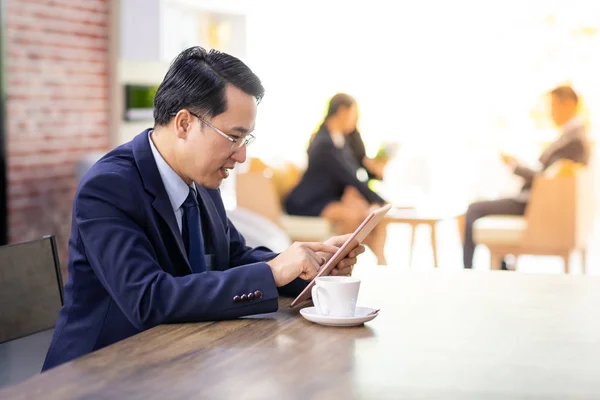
<point>57,66</point>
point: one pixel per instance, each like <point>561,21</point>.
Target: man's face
<point>204,155</point>
<point>561,111</point>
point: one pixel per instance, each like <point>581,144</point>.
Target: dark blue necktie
<point>192,233</point>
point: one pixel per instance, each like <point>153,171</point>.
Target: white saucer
<point>359,318</point>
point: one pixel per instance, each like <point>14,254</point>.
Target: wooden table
<point>415,217</point>
<point>440,334</point>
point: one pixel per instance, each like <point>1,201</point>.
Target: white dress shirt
<point>176,188</point>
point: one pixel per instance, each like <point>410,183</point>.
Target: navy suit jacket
<point>128,269</point>
<point>330,169</point>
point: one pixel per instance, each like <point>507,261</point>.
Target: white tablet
<point>359,235</point>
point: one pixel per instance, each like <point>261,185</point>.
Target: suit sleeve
<point>336,166</point>
<point>358,147</point>
<point>122,257</point>
<point>360,153</point>
<point>240,254</point>
<point>526,173</point>
<point>574,151</point>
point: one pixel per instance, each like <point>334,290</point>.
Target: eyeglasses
<point>236,142</point>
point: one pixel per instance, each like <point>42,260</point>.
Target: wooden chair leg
<point>460,221</point>
<point>434,244</point>
<point>583,260</point>
<point>413,229</point>
<point>566,257</point>
<point>495,259</point>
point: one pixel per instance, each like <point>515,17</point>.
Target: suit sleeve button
<point>236,299</point>
<point>244,297</point>
<point>250,296</point>
<point>258,294</point>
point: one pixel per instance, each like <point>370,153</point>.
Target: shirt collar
<point>176,188</point>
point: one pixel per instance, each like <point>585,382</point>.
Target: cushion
<point>499,229</point>
<point>258,230</point>
<point>563,168</point>
<point>306,228</point>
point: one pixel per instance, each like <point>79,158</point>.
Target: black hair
<point>197,79</point>
<point>337,101</point>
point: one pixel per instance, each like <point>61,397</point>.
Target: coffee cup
<point>336,296</point>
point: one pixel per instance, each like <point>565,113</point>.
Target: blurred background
<point>442,87</point>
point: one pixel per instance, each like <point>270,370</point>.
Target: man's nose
<point>239,155</point>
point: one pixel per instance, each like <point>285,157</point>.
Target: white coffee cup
<point>336,296</point>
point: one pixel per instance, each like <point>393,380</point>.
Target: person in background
<point>330,187</point>
<point>373,167</point>
<point>151,243</point>
<point>573,144</point>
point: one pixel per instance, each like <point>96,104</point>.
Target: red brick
<point>98,6</point>
<point>25,65</point>
<point>57,74</point>
<point>29,23</point>
<point>25,176</point>
<point>44,11</point>
<point>70,136</point>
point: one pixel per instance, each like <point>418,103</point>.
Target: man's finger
<point>316,259</point>
<point>339,240</point>
<point>310,265</point>
<point>342,271</point>
<point>310,272</point>
<point>347,262</point>
<point>316,246</point>
<point>357,251</point>
<point>323,257</point>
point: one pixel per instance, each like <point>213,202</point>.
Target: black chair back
<point>31,289</point>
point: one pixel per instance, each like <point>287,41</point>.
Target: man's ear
<point>183,123</point>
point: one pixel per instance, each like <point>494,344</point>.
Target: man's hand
<point>300,260</point>
<point>345,266</point>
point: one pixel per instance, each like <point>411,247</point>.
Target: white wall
<point>140,33</point>
<point>450,81</point>
<point>153,32</point>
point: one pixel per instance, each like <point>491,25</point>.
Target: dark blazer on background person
<point>128,268</point>
<point>357,145</point>
<point>572,145</point>
<point>330,170</point>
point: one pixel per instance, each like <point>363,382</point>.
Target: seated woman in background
<point>373,167</point>
<point>330,187</point>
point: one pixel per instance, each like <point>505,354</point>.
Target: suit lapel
<point>163,207</point>
<point>218,236</point>
<point>576,131</point>
<point>153,185</point>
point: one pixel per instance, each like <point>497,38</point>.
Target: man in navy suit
<point>151,243</point>
<point>573,144</point>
